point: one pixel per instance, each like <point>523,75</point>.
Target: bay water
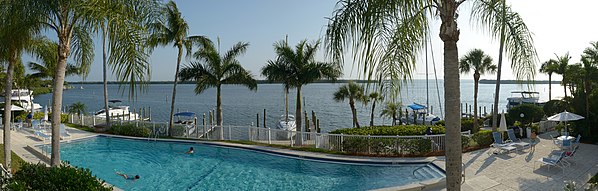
<point>240,105</point>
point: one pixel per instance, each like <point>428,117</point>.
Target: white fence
<point>364,144</point>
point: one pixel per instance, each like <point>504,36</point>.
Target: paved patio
<point>520,171</point>
<point>483,170</point>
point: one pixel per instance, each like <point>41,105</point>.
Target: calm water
<point>164,166</point>
<point>240,105</point>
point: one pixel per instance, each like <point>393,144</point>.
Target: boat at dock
<point>525,97</point>
<point>420,116</point>
<point>24,98</point>
<point>287,125</point>
<point>119,112</point>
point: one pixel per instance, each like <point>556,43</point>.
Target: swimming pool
<point>165,166</point>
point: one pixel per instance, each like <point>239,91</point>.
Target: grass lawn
<point>16,160</point>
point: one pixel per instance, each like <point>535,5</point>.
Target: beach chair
<point>553,160</point>
<point>576,142</point>
<point>41,135</point>
<point>516,141</point>
<point>499,145</point>
<point>63,133</point>
<point>566,144</point>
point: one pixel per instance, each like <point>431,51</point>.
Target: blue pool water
<point>165,166</point>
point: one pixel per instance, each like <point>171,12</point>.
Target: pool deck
<point>483,170</point>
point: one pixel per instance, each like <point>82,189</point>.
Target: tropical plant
<point>77,108</point>
<point>278,71</point>
<point>562,63</point>
<point>19,29</point>
<point>304,69</point>
<point>480,63</point>
<point>374,97</point>
<point>589,60</point>
<point>549,67</point>
<point>385,37</point>
<point>391,110</point>
<point>353,92</point>
<point>68,20</point>
<point>123,23</point>
<point>172,28</point>
<point>45,69</point>
<point>214,69</point>
<point>62,177</point>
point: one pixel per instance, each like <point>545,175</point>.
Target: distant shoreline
<point>483,81</point>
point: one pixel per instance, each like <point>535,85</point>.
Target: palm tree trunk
<point>449,33</point>
<point>564,85</point>
<point>476,80</point>
<point>394,120</point>
<point>7,107</point>
<point>176,78</point>
<point>298,118</point>
<point>286,105</point>
<point>499,69</point>
<point>549,86</point>
<point>372,114</point>
<point>586,90</point>
<point>104,66</point>
<point>64,49</point>
<point>218,106</point>
<point>354,112</point>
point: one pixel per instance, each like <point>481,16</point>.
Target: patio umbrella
<point>46,113</point>
<point>565,116</point>
<point>503,122</point>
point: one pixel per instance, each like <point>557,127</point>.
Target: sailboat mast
<point>427,85</point>
<point>286,91</point>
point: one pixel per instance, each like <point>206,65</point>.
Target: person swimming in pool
<point>190,151</point>
<point>127,177</point>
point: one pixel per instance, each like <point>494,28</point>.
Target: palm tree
<point>68,19</point>
<point>480,63</point>
<point>47,55</point>
<point>77,108</point>
<point>391,110</point>
<point>353,92</point>
<point>549,67</point>
<point>304,70</point>
<point>278,71</point>
<point>589,60</point>
<point>215,69</point>
<point>374,97</point>
<point>562,62</point>
<point>12,44</point>
<point>385,36</point>
<point>172,28</point>
<point>124,24</point>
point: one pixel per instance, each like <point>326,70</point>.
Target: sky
<point>558,27</point>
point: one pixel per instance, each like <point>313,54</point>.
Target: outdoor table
<point>562,138</point>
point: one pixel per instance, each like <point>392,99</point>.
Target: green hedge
<point>403,130</point>
<point>130,129</point>
<point>63,177</point>
<point>364,145</point>
<point>483,138</point>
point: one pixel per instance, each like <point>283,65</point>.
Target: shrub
<point>386,146</point>
<point>555,106</point>
<point>532,113</point>
<point>402,130</point>
<point>483,138</point>
<point>130,129</point>
<point>465,141</point>
<point>63,177</point>
<point>467,124</point>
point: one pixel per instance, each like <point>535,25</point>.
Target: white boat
<point>526,97</point>
<point>289,125</point>
<point>24,98</point>
<point>118,112</point>
<point>422,117</point>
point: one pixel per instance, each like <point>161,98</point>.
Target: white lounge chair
<point>63,133</point>
<point>514,141</point>
<point>499,145</point>
<point>554,160</point>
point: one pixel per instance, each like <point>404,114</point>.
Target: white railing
<point>366,144</point>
